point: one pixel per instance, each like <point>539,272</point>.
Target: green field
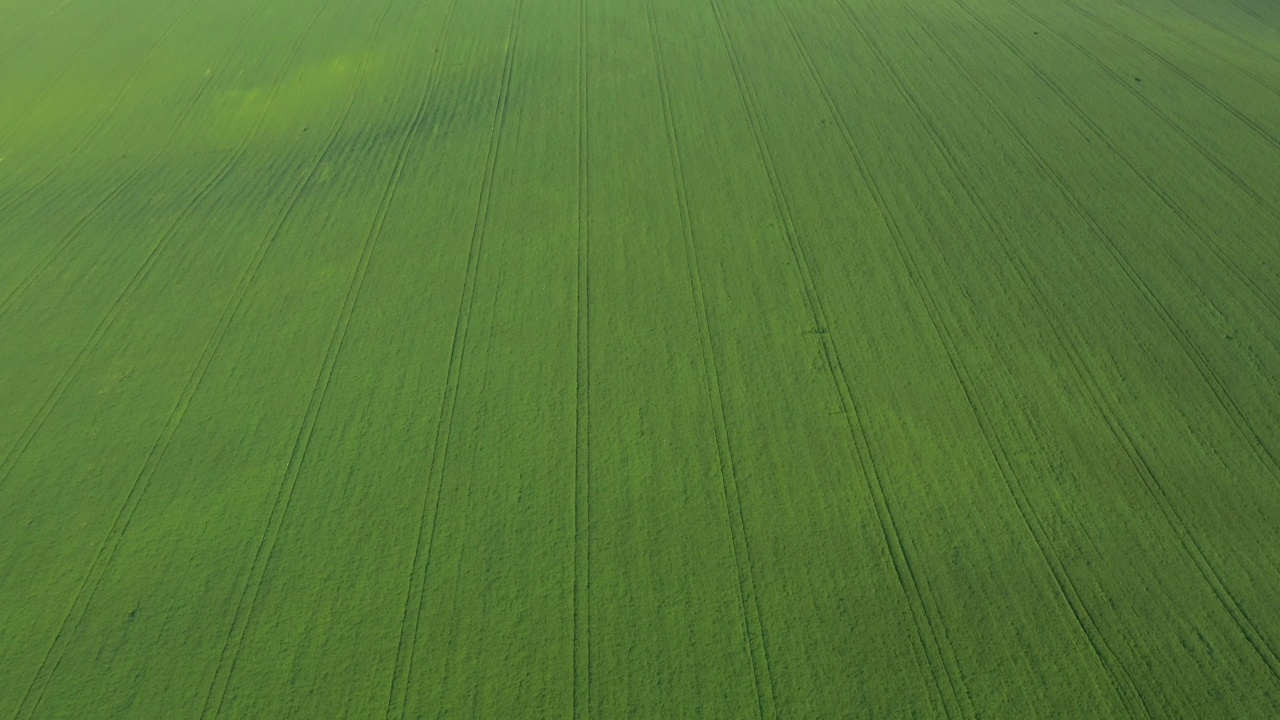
<point>614,359</point>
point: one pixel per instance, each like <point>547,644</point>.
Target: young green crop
<point>573,358</point>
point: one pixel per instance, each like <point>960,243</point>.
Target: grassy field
<point>639,359</point>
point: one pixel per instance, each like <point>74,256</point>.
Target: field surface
<point>616,359</point>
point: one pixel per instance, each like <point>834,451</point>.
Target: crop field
<point>610,359</point>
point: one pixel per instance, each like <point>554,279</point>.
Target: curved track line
<point>582,415</point>
<point>29,33</point>
<point>144,270</point>
<point>1263,203</point>
<point>931,631</point>
<point>748,598</point>
<point>1206,238</point>
<point>52,82</point>
<point>1259,448</point>
<point>1122,681</point>
<point>1275,89</point>
<point>407,649</point>
<point>1252,124</point>
<point>1262,20</point>
<point>106,115</point>
<point>1233,35</point>
<point>1173,518</point>
<point>107,548</point>
<point>221,681</point>
<point>43,264</point>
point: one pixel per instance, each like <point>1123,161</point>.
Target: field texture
<point>639,359</point>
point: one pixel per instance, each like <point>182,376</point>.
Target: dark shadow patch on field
<point>461,109</point>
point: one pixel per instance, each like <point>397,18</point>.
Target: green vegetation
<point>653,359</point>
